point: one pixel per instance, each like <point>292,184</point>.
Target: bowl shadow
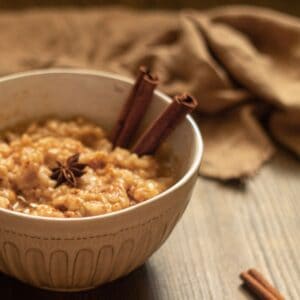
<point>136,285</point>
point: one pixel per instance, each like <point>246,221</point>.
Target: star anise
<point>68,172</point>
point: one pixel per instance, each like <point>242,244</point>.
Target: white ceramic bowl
<point>78,254</point>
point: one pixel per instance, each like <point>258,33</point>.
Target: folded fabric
<point>242,63</point>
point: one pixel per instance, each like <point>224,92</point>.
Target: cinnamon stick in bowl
<point>166,122</point>
<point>135,108</point>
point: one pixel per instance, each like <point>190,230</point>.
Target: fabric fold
<point>236,145</point>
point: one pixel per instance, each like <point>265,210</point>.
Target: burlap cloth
<point>242,63</point>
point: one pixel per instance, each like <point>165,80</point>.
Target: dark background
<point>290,6</point>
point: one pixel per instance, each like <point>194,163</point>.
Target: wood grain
<point>224,231</point>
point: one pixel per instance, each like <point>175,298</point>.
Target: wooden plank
<point>225,230</point>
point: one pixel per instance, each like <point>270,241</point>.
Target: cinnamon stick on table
<point>164,124</point>
<point>259,286</point>
<point>135,108</point>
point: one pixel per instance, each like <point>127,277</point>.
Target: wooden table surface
<point>225,230</point>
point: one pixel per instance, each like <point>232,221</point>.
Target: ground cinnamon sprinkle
<point>105,179</point>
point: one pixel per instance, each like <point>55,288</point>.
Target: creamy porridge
<point>70,169</point>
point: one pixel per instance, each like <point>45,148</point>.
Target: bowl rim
<point>110,75</point>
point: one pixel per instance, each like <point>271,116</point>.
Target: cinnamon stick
<point>258,285</point>
<point>260,278</point>
<point>158,131</point>
<point>135,108</point>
